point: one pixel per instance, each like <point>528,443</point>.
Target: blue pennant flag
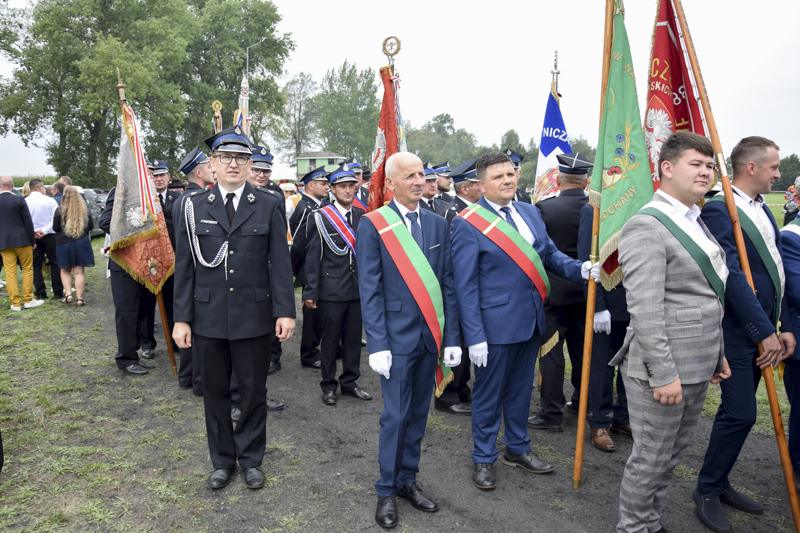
<point>554,142</point>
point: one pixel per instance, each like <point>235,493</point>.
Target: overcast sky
<point>488,64</point>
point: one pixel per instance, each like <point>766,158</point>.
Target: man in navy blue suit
<point>749,319</point>
<point>502,249</point>
<point>790,241</point>
<point>403,340</point>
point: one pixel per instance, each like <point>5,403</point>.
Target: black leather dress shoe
<point>220,478</point>
<point>254,477</point>
<point>273,367</point>
<point>535,422</point>
<point>185,387</point>
<point>358,393</point>
<point>730,497</point>
<point>528,462</point>
<point>457,409</point>
<point>135,370</point>
<point>316,365</point>
<point>483,476</point>
<point>329,397</point>
<point>710,512</point>
<point>236,413</point>
<point>147,354</point>
<point>146,364</point>
<point>419,500</point>
<point>274,405</point>
<point>386,513</point>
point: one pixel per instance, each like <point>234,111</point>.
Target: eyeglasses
<point>258,170</point>
<point>226,159</point>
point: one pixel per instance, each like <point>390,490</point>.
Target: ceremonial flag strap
<point>418,276</point>
<point>358,203</point>
<point>341,226</point>
<point>511,242</point>
<point>697,253</point>
<point>756,237</point>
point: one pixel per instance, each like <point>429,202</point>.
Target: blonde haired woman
<point>26,189</point>
<point>74,251</point>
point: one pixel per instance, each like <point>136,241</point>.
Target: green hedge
<point>47,180</point>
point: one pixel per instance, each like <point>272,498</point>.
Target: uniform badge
<point>211,198</point>
<point>429,166</point>
<point>263,151</point>
<point>155,162</point>
<point>251,198</point>
<point>508,151</point>
<point>238,131</point>
<point>345,167</point>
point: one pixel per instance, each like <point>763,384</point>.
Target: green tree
<point>582,146</point>
<point>10,25</point>
<point>347,111</point>
<point>790,171</point>
<point>297,128</point>
<point>438,141</point>
<point>510,139</point>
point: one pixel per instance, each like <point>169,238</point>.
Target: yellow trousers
<point>10,257</point>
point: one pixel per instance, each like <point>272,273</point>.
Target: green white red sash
<point>758,233</point>
<point>341,226</point>
<point>703,250</point>
<point>511,242</point>
<point>418,276</point>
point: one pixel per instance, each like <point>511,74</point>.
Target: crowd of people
<point>457,280</point>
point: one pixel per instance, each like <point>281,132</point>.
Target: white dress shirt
<point>755,208</point>
<point>691,213</point>
<point>343,211</point>
<point>404,210</point>
<point>42,209</point>
<point>238,192</point>
<point>522,227</point>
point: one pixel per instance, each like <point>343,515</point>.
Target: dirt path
<point>91,449</point>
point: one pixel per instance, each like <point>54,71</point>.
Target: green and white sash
<point>759,234</point>
<point>704,251</point>
<point>793,227</point>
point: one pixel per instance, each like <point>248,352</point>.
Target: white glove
<point>381,362</point>
<point>590,270</point>
<point>602,322</point>
<point>478,354</point>
<point>452,356</point>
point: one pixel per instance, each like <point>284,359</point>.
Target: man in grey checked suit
<point>674,345</point>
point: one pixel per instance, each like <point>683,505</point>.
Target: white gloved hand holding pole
<point>478,353</point>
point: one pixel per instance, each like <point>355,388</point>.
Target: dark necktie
<point>349,220</point>
<point>507,211</point>
<point>416,230</point>
<point>431,204</point>
<point>161,201</point>
<point>229,207</point>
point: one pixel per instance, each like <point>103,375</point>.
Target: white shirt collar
<point>238,192</point>
<point>341,208</point>
<point>404,210</point>
<point>498,207</point>
<point>757,203</point>
<point>464,200</point>
<point>692,213</point>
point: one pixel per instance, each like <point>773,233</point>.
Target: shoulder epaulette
<point>201,191</point>
<point>264,189</point>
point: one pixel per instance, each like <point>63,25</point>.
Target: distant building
<point>311,160</point>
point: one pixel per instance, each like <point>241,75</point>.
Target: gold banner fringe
<point>545,348</point>
<point>439,389</point>
<point>138,277</point>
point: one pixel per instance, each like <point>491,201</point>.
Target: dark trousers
<point>189,373</point>
<point>310,337</point>
<point>247,442</point>
<point>568,321</point>
<point>128,295</point>
<point>791,380</point>
<point>735,416</point>
<point>276,351</point>
<point>406,398</point>
<point>503,388</point>
<point>601,380</point>
<point>168,295</point>
<point>46,246</point>
<point>145,325</point>
<point>457,391</point>
<point>341,321</point>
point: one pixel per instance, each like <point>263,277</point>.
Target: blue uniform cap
<point>465,171</point>
<point>442,169</point>
<point>354,164</point>
<point>429,172</point>
<point>159,167</point>
<point>342,175</point>
<point>230,140</point>
<point>317,174</point>
<point>573,164</point>
<point>192,159</point>
<point>516,157</point>
<point>262,158</point>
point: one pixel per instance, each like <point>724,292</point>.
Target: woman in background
<point>73,245</point>
<point>26,189</point>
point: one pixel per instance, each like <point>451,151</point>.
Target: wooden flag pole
<point>167,334</point>
<point>768,373</point>
<point>591,297</point>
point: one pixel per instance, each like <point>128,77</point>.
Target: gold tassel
<point>439,390</point>
<point>545,348</point>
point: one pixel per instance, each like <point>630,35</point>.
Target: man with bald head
<point>400,246</point>
<point>17,240</point>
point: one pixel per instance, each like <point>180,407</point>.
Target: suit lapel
<point>484,203</point>
<point>538,242</point>
<point>217,209</point>
<point>245,208</point>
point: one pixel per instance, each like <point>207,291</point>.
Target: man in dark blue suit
<point>790,240</point>
<point>749,319</point>
<point>403,345</point>
<point>502,311</point>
